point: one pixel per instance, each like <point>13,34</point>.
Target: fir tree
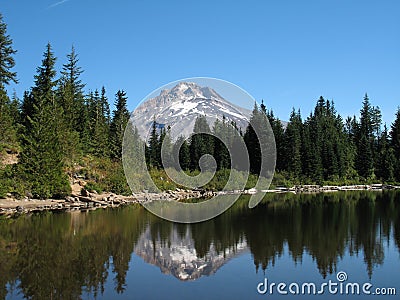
<point>118,124</point>
<point>279,132</point>
<point>386,159</point>
<point>8,133</point>
<point>183,153</point>
<point>293,144</point>
<point>252,142</point>
<point>395,143</point>
<point>99,123</point>
<point>365,138</point>
<point>41,159</point>
<point>7,61</point>
<point>71,92</point>
<point>221,153</point>
<point>201,142</point>
<point>153,146</point>
<point>166,157</point>
<point>350,131</point>
<point>8,122</point>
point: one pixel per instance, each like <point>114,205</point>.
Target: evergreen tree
<point>221,153</point>
<point>386,159</point>
<point>252,142</point>
<point>26,107</point>
<point>310,151</point>
<point>105,107</point>
<point>329,140</point>
<point>279,132</point>
<point>99,123</point>
<point>70,94</point>
<point>165,145</point>
<point>259,142</point>
<point>8,123</point>
<point>183,153</point>
<point>153,146</point>
<point>364,159</point>
<point>8,133</point>
<point>350,131</point>
<point>293,144</point>
<point>7,61</point>
<point>201,142</point>
<point>118,124</point>
<point>41,159</point>
<point>395,143</point>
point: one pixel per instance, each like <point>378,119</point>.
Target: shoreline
<point>92,201</point>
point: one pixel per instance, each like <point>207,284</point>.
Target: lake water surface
<point>128,253</point>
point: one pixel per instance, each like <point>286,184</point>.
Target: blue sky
<point>286,52</point>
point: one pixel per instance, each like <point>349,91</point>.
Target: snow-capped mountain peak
<point>179,107</point>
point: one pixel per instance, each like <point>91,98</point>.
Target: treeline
<point>187,152</point>
<point>327,148</point>
<point>56,127</point>
<point>323,148</point>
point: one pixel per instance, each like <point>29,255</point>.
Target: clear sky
<point>286,52</point>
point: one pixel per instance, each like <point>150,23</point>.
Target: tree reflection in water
<point>63,255</point>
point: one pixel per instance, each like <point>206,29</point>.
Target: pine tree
<point>201,142</point>
<point>395,143</point>
<point>311,151</point>
<point>70,94</point>
<point>105,107</point>
<point>99,123</point>
<point>41,159</point>
<point>330,140</point>
<point>118,124</point>
<point>7,61</point>
<point>8,123</point>
<point>293,144</point>
<point>252,142</point>
<point>386,159</point>
<point>350,131</point>
<point>183,153</point>
<point>8,133</point>
<point>364,159</point>
<point>221,153</point>
<point>165,146</point>
<point>260,144</point>
<point>152,147</point>
<point>278,130</point>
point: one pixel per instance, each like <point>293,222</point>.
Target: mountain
<point>176,255</point>
<point>179,107</point>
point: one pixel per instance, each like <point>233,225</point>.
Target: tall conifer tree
<point>41,160</point>
<point>395,143</point>
<point>119,121</point>
<point>8,136</point>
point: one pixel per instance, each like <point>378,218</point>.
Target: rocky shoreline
<point>86,200</point>
<point>333,188</point>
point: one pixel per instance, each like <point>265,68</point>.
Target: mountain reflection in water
<point>177,255</point>
<point>68,254</point>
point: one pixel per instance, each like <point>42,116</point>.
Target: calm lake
<point>128,253</point>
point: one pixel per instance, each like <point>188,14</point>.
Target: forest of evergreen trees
<point>323,148</point>
<point>56,126</point>
<point>58,129</point>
